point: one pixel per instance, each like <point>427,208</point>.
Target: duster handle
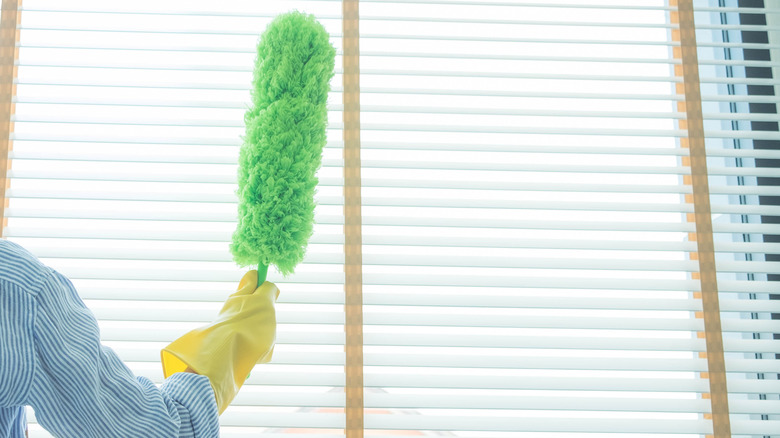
<point>262,273</point>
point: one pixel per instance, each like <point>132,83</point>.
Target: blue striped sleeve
<point>193,397</point>
<point>78,387</point>
<point>13,422</point>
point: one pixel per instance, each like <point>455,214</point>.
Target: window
<point>529,246</point>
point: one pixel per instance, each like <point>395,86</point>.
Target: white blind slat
<point>227,156</point>
<point>668,385</point>
<point>422,401</point>
<point>498,424</point>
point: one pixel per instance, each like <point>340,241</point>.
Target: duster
<point>282,147</point>
<point>279,158</point>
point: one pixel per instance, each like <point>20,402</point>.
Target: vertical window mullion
<point>704,236</point>
<point>9,36</point>
<point>353,282</point>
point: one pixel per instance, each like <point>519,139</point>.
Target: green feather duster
<point>282,149</point>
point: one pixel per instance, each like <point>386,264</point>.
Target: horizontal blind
<point>128,122</point>
<point>527,261</point>
<point>539,282</point>
<point>746,28</point>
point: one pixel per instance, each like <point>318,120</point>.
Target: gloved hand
<point>226,350</point>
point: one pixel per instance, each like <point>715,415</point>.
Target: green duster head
<point>282,149</point>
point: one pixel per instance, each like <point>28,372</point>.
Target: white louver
<point>529,264</point>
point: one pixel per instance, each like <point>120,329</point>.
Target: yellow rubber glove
<point>226,350</point>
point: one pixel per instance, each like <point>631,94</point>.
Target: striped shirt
<point>51,359</point>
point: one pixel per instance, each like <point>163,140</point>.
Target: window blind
<point>740,57</point>
<point>126,134</point>
<point>529,256</point>
<point>541,167</point>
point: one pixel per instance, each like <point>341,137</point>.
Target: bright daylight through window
<point>530,258</point>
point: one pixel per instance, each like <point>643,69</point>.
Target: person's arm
<point>13,422</point>
<point>83,389</point>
